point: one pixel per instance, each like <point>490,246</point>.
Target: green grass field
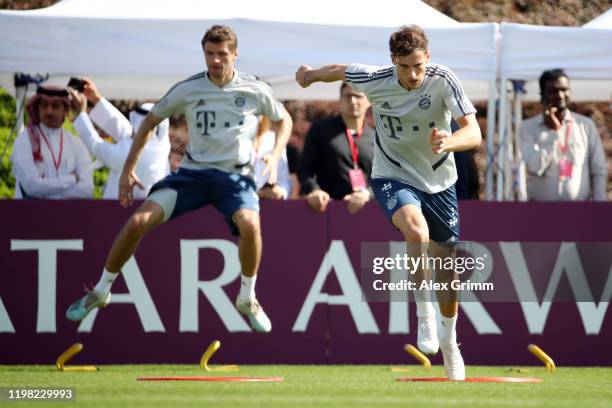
<point>315,386</point>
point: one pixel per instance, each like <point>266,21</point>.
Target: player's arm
<point>467,137</point>
<point>128,177</point>
<point>307,75</point>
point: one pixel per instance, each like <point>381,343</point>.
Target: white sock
<point>422,298</point>
<point>247,288</point>
<point>447,333</point>
<point>106,281</point>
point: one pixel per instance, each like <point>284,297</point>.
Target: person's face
<point>411,68</point>
<point>51,112</point>
<point>220,59</point>
<point>352,103</point>
<point>556,93</point>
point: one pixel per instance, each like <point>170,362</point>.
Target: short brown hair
<point>219,34</point>
<point>407,39</point>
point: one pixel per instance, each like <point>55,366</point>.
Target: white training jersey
<point>404,120</point>
<point>222,121</point>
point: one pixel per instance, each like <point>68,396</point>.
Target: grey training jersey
<point>404,120</point>
<point>222,121</point>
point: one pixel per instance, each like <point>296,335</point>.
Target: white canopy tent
<point>527,50</point>
<point>139,48</point>
<point>602,21</point>
<point>584,52</point>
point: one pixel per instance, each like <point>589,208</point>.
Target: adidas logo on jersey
<point>385,105</point>
<point>201,102</point>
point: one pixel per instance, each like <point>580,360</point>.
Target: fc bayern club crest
<point>239,101</point>
<point>425,102</point>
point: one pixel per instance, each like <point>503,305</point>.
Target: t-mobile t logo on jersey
<point>205,120</point>
<point>392,124</point>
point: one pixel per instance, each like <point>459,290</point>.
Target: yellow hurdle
<point>421,358</point>
<point>72,351</point>
<point>542,356</point>
<point>212,349</point>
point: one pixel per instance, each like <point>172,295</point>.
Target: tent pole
<point>518,191</point>
<point>501,143</point>
<point>490,143</point>
<point>19,113</point>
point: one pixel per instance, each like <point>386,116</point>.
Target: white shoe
<point>427,335</point>
<point>453,362</point>
<point>81,308</point>
<point>257,317</point>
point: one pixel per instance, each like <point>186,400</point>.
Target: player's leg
<point>249,244</point>
<point>401,204</point>
<point>239,203</point>
<point>176,194</point>
<point>147,217</point>
<point>410,221</point>
<point>441,211</point>
<point>449,312</point>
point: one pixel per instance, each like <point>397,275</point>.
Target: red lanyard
<point>61,149</point>
<point>568,130</point>
<point>353,145</point>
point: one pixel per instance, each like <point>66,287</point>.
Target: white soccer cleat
<point>81,308</point>
<point>453,362</point>
<point>257,317</point>
<point>427,335</point>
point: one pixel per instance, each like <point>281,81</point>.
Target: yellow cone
<point>212,349</point>
<point>421,358</point>
<point>542,356</point>
<point>72,351</point>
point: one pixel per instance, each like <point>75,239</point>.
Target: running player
<point>221,107</point>
<point>413,173</point>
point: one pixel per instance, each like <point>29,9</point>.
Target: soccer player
<point>413,173</point>
<point>221,107</point>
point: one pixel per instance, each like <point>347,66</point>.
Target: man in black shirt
<point>337,157</point>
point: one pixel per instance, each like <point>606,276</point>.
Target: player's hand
<point>127,181</point>
<point>90,91</point>
<point>318,200</point>
<point>274,192</point>
<point>301,75</point>
<point>355,201</point>
<point>271,169</point>
<point>438,139</point>
<point>78,102</point>
<point>550,118</point>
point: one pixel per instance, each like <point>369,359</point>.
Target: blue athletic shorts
<point>227,192</point>
<point>441,209</point>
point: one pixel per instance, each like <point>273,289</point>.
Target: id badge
<point>565,167</point>
<point>358,181</point>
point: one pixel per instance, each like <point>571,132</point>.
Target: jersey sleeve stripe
<point>364,80</point>
<point>191,78</point>
<point>456,90</point>
<point>368,74</point>
<point>454,84</point>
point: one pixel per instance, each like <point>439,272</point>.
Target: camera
<point>77,84</point>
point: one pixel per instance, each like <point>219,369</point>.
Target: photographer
<point>153,164</point>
